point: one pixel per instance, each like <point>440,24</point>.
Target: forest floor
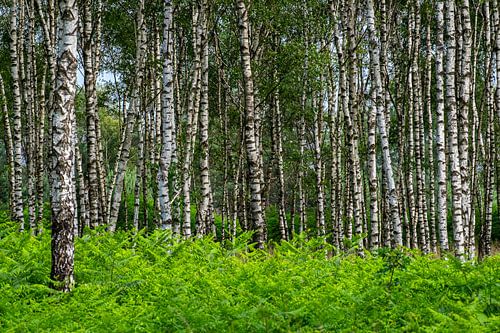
<point>127,282</point>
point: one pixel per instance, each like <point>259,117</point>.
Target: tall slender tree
<point>456,180</point>
<point>63,149</point>
<point>8,143</point>
<point>167,120</point>
<point>464,52</point>
<point>205,210</point>
<point>90,47</point>
<point>17,194</point>
<point>116,188</point>
<point>440,130</point>
<point>251,139</point>
<point>193,112</point>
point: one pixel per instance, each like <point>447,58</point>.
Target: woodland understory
<point>368,125</point>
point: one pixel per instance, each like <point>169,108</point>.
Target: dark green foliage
<point>128,282</point>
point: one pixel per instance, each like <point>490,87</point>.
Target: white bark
<point>251,137</point>
<point>283,224</point>
<point>489,149</point>
<point>167,118</point>
<point>31,93</point>
<point>381,124</point>
<point>124,151</point>
<point>456,179</point>
<point>139,171</point>
<point>318,165</point>
<point>430,141</point>
<point>302,147</point>
<point>8,143</point>
<point>90,52</point>
<point>463,120</point>
<point>192,124</point>
<point>496,27</point>
<point>351,114</point>
<point>440,132</point>
<point>421,205</point>
<point>63,148</point>
<point>17,214</point>
<point>205,209</point>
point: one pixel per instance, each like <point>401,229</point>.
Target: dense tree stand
<point>366,124</point>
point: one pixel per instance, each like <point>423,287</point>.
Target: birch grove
<point>369,124</point>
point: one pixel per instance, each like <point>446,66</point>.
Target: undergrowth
<point>129,282</point>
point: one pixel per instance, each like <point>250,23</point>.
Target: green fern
<point>130,281</point>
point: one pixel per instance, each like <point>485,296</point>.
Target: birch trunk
<point>372,164</point>
<point>145,156</point>
<point>475,137</point>
<point>430,140</point>
<point>392,197</point>
<point>411,151</point>
<point>381,124</point>
<point>8,143</point>
<point>440,132</point>
<point>336,158</point>
<point>251,142</point>
<point>496,27</point>
<point>124,151</point>
<point>17,213</point>
<point>456,179</point>
<point>489,149</point>
<point>344,214</point>
<point>139,171</point>
<point>351,114</point>
<point>63,149</point>
<point>302,146</point>
<point>167,117</point>
<point>318,165</point>
<point>192,123</point>
<point>47,17</point>
<point>90,66</point>
<point>283,224</point>
<point>41,144</point>
<point>31,92</point>
<point>82,190</point>
<point>421,204</point>
<point>205,209</point>
<point>463,120</point>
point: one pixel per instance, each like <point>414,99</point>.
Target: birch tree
<point>8,143</point>
<point>116,187</point>
<point>91,58</point>
<point>489,150</point>
<point>440,131</point>
<point>193,112</point>
<point>252,150</point>
<point>381,124</point>
<point>456,181</point>
<point>17,194</point>
<point>464,52</point>
<point>63,149</point>
<point>167,120</point>
<point>205,210</point>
